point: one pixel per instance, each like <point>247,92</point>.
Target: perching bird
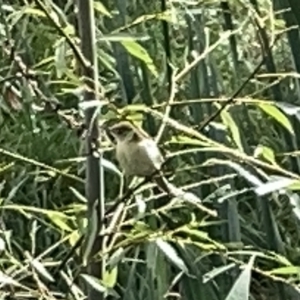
<point>138,154</point>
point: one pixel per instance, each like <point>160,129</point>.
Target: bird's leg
<point>163,184</point>
<point>126,183</point>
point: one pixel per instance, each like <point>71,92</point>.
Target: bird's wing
<point>153,152</point>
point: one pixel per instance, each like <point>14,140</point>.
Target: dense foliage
<point>169,67</point>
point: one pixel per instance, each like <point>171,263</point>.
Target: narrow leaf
<point>231,125</point>
<point>97,285</point>
<point>141,53</point>
<point>171,254</point>
<point>275,113</point>
<point>273,186</point>
<point>98,6</point>
<point>217,271</point>
<point>265,152</point>
<point>240,289</point>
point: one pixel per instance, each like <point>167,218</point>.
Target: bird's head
<point>124,131</point>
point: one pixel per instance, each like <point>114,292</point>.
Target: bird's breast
<point>139,158</point>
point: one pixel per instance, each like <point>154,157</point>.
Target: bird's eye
<point>119,130</point>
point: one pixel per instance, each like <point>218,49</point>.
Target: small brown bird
<point>138,154</point>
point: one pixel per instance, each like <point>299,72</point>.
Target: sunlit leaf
<point>295,186</point>
<point>7,280</point>
<point>59,220</point>
<point>201,235</point>
<point>111,166</point>
<point>74,237</point>
<point>5,167</point>
<point>241,287</point>
<point>97,285</point>
<point>245,174</point>
<point>98,6</point>
<point>171,254</point>
<point>110,277</point>
<point>273,186</point>
<point>122,37</point>
<point>216,272</point>
<point>7,8</point>
<point>2,245</point>
<point>41,269</point>
<point>265,152</point>
<point>181,139</point>
<point>84,105</point>
<point>276,114</point>
<point>78,195</point>
<point>39,13</point>
<point>290,270</point>
<point>133,108</point>
<point>166,16</point>
<point>141,53</point>
<point>233,128</point>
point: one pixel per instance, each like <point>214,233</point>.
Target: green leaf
<point>39,267</point>
<point>275,113</point>
<point>216,272</point>
<point>60,57</point>
<point>110,277</point>
<point>111,166</point>
<point>254,180</point>
<point>2,245</point>
<point>94,282</point>
<point>39,13</point>
<point>290,270</point>
<point>166,16</point>
<point>231,125</point>
<point>171,254</point>
<point>78,195</point>
<point>134,108</point>
<point>182,139</point>
<point>266,153</point>
<point>295,186</point>
<point>107,60</point>
<point>98,6</point>
<point>241,287</point>
<point>59,220</point>
<point>136,50</point>
<point>44,62</point>
<point>99,286</point>
<point>274,185</point>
